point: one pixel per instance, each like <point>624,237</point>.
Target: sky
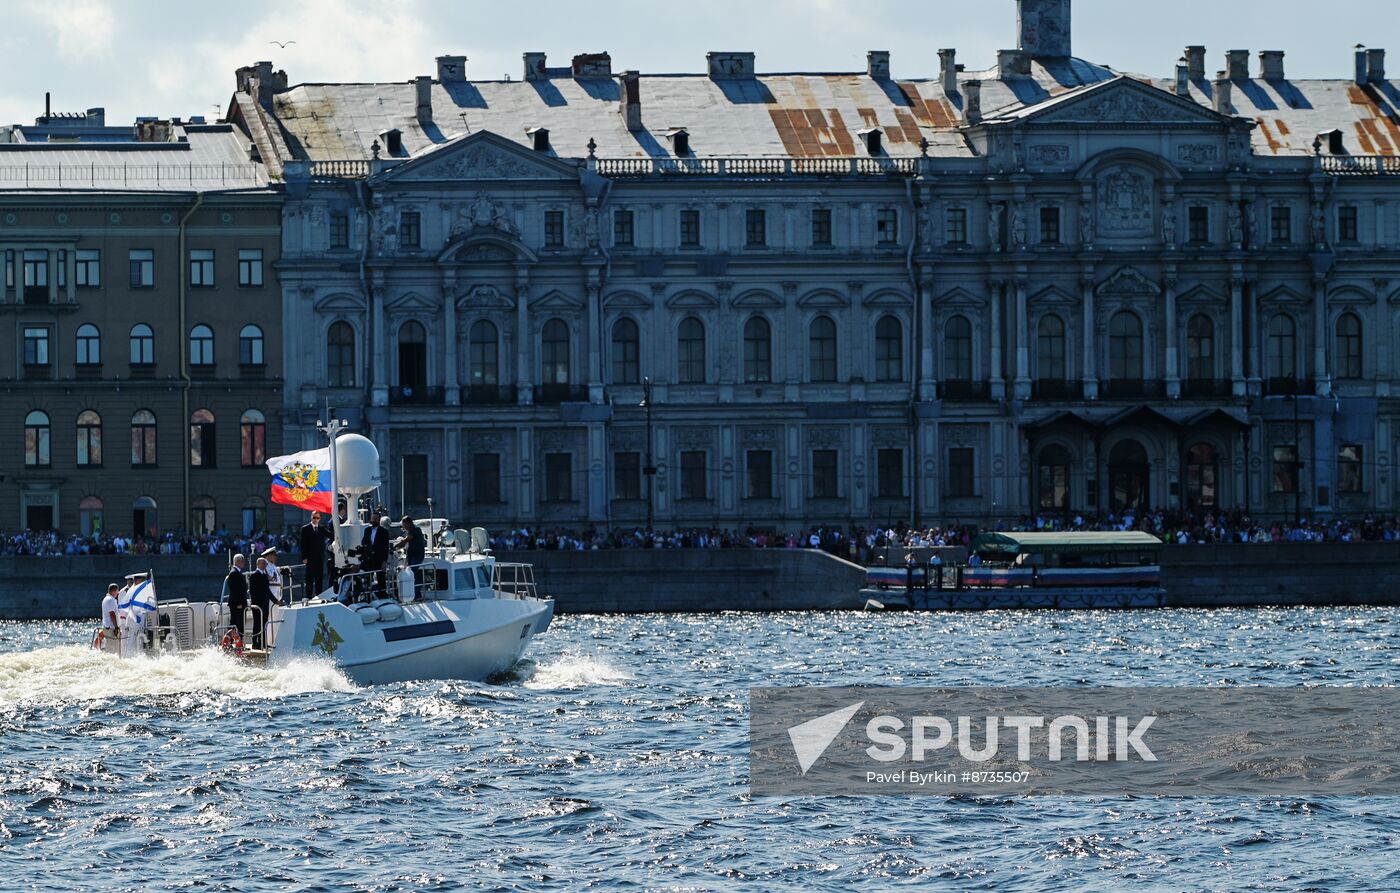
<point>177,57</point>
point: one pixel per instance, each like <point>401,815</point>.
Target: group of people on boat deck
<point>261,588</point>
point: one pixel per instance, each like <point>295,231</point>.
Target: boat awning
<point>1063,543</point>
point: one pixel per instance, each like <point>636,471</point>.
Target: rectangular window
<point>1050,226</point>
<point>627,475</point>
<point>36,346</point>
<point>1285,470</point>
<point>486,478</point>
<point>142,268</point>
<point>250,267</point>
<point>886,226</point>
<point>1280,224</point>
<point>201,268</point>
<point>955,226</point>
<point>340,230</point>
<point>554,229</point>
<point>202,442</point>
<point>415,479</point>
<point>962,473</point>
<point>89,346</point>
<point>558,477</point>
<point>755,228</point>
<point>1198,224</point>
<point>693,484</point>
<point>87,270</point>
<point>36,276</point>
<point>624,231</point>
<point>9,270</point>
<point>1349,469</point>
<point>62,268</point>
<point>889,474</point>
<point>410,230</point>
<point>821,227</point>
<point>252,440</point>
<point>758,471</point>
<point>824,474</point>
<point>690,228</point>
<point>1347,227</point>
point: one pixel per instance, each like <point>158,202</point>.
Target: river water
<point>616,758</point>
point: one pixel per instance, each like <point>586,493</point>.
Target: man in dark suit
<point>236,588</point>
<point>260,594</point>
<point>414,544</point>
<point>314,537</point>
<point>374,550</point>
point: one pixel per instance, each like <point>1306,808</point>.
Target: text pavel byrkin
<point>1112,737</point>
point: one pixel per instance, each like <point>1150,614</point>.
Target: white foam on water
<point>74,673</point>
<point>573,671</point>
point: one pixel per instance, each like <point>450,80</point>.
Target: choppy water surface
<point>617,758</point>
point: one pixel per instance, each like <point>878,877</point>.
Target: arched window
<point>1202,468</point>
<point>1125,347</point>
<point>254,515</point>
<point>889,349</point>
<point>250,346</point>
<point>202,515</point>
<point>690,351</point>
<point>252,438</point>
<point>1128,476</point>
<point>201,346</point>
<point>1348,346</point>
<point>143,438</point>
<point>821,349</point>
<point>758,351</point>
<point>626,352</point>
<point>484,356</point>
<point>90,516</point>
<point>957,349</point>
<point>202,443</point>
<point>1053,478</point>
<point>89,345</point>
<point>554,353</point>
<point>36,439</point>
<point>1200,348</point>
<point>413,357</point>
<point>89,439</point>
<point>340,355</point>
<point>143,517</point>
<point>1283,349</point>
<point>1050,349</point>
<point>143,345</point>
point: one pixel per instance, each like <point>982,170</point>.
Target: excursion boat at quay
<point>460,614</point>
<point>1071,570</point>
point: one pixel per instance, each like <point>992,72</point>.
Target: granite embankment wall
<point>752,579</point>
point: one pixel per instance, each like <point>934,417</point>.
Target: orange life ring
<point>233,642</point>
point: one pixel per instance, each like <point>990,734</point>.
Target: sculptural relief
<point>1125,204</point>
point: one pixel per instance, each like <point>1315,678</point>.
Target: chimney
<point>730,65</point>
<point>1196,63</point>
<point>1271,65</point>
<point>631,101</point>
<point>1362,75</point>
<point>592,65</point>
<point>948,70</point>
<point>1375,66</point>
<point>423,99</point>
<point>877,64</point>
<point>1012,63</point>
<point>972,102</point>
<point>1044,28</point>
<point>451,69</point>
<point>1237,64</point>
<point>534,66</point>
<point>1222,92</point>
<point>96,116</point>
<point>1183,78</point>
<point>265,84</point>
<point>870,138</point>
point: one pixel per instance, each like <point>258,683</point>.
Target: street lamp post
<point>649,469</point>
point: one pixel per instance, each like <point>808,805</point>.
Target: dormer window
<point>680,141</point>
<point>392,140</point>
<point>870,137</point>
<point>539,138</point>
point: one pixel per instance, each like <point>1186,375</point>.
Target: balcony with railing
<point>340,169</point>
<point>956,391</point>
<point>1134,389</point>
<point>553,394</point>
<point>824,166</point>
<point>1361,165</point>
<point>415,395</point>
<point>489,394</point>
<point>1056,389</point>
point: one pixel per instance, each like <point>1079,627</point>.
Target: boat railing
<point>363,587</point>
<point>513,580</point>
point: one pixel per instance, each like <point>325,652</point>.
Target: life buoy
<point>232,642</point>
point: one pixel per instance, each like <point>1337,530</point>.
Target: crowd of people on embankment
<point>856,542</point>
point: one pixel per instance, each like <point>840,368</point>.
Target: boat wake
<point>74,673</point>
<point>567,671</point>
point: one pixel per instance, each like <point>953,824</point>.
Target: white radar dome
<point>356,464</point>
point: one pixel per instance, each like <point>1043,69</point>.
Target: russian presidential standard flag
<point>304,480</point>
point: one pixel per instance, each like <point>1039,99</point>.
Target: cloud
<point>81,28</point>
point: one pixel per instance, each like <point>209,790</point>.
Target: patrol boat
<point>460,614</point>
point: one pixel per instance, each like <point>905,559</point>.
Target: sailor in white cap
<point>274,574</point>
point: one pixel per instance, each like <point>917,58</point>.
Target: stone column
<point>1022,389</point>
<point>1236,337</point>
<point>70,274</point>
<point>595,355</point>
<point>1090,371</point>
<point>998,369</point>
<point>1251,325</point>
<point>452,391</point>
<point>524,340</point>
<point>927,388</point>
<point>1172,368</point>
<point>379,393</point>
<point>1384,331</point>
<point>1322,380</point>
